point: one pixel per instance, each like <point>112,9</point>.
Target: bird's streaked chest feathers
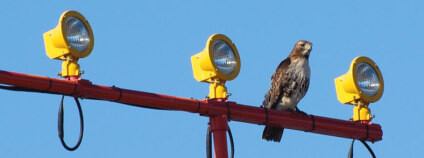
<point>299,67</point>
<point>296,84</point>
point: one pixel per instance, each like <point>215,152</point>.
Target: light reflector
<point>224,57</point>
<point>77,34</point>
<point>367,79</point>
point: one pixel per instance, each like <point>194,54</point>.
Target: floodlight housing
<point>72,37</point>
<point>71,40</point>
<point>219,60</point>
<point>217,63</point>
<point>363,82</point>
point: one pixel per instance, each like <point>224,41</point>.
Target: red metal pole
<point>236,112</point>
<point>219,127</point>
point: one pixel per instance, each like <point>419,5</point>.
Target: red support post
<point>219,127</point>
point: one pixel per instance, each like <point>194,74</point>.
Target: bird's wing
<point>304,87</point>
<point>278,82</point>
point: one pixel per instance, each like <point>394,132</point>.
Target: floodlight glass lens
<point>367,79</point>
<point>224,57</point>
<point>77,33</point>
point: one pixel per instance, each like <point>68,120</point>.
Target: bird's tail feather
<point>272,133</point>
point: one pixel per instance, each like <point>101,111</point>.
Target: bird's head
<point>302,49</point>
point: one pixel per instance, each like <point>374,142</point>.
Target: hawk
<point>289,84</point>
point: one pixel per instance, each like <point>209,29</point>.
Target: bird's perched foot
<point>299,111</point>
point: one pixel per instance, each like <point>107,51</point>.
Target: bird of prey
<point>289,84</point>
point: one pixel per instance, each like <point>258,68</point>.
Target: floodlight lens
<point>224,57</point>
<point>77,33</point>
<point>367,79</point>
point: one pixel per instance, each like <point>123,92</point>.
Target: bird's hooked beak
<point>308,46</point>
<point>307,49</point>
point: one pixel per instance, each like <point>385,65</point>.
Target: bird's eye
<point>303,45</point>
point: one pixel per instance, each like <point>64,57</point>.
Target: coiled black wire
<point>61,113</point>
<point>350,154</point>
<point>60,125</point>
<point>209,142</point>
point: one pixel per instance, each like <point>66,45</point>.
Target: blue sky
<point>146,46</point>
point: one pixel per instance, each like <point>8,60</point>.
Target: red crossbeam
<point>210,108</point>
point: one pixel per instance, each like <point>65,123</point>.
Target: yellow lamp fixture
<point>70,40</point>
<point>361,85</point>
<point>217,63</point>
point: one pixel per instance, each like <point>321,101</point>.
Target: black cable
<point>368,147</point>
<point>350,154</point>
<point>228,112</point>
<point>198,106</point>
<point>21,89</point>
<point>75,89</point>
<point>209,142</point>
<point>120,93</point>
<point>313,123</point>
<point>60,125</point>
<point>368,132</point>
<point>266,113</point>
<point>50,84</point>
<point>231,141</point>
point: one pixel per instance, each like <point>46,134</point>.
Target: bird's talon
<point>300,112</point>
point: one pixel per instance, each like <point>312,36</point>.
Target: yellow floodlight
<point>70,40</point>
<point>361,85</point>
<point>217,63</point>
